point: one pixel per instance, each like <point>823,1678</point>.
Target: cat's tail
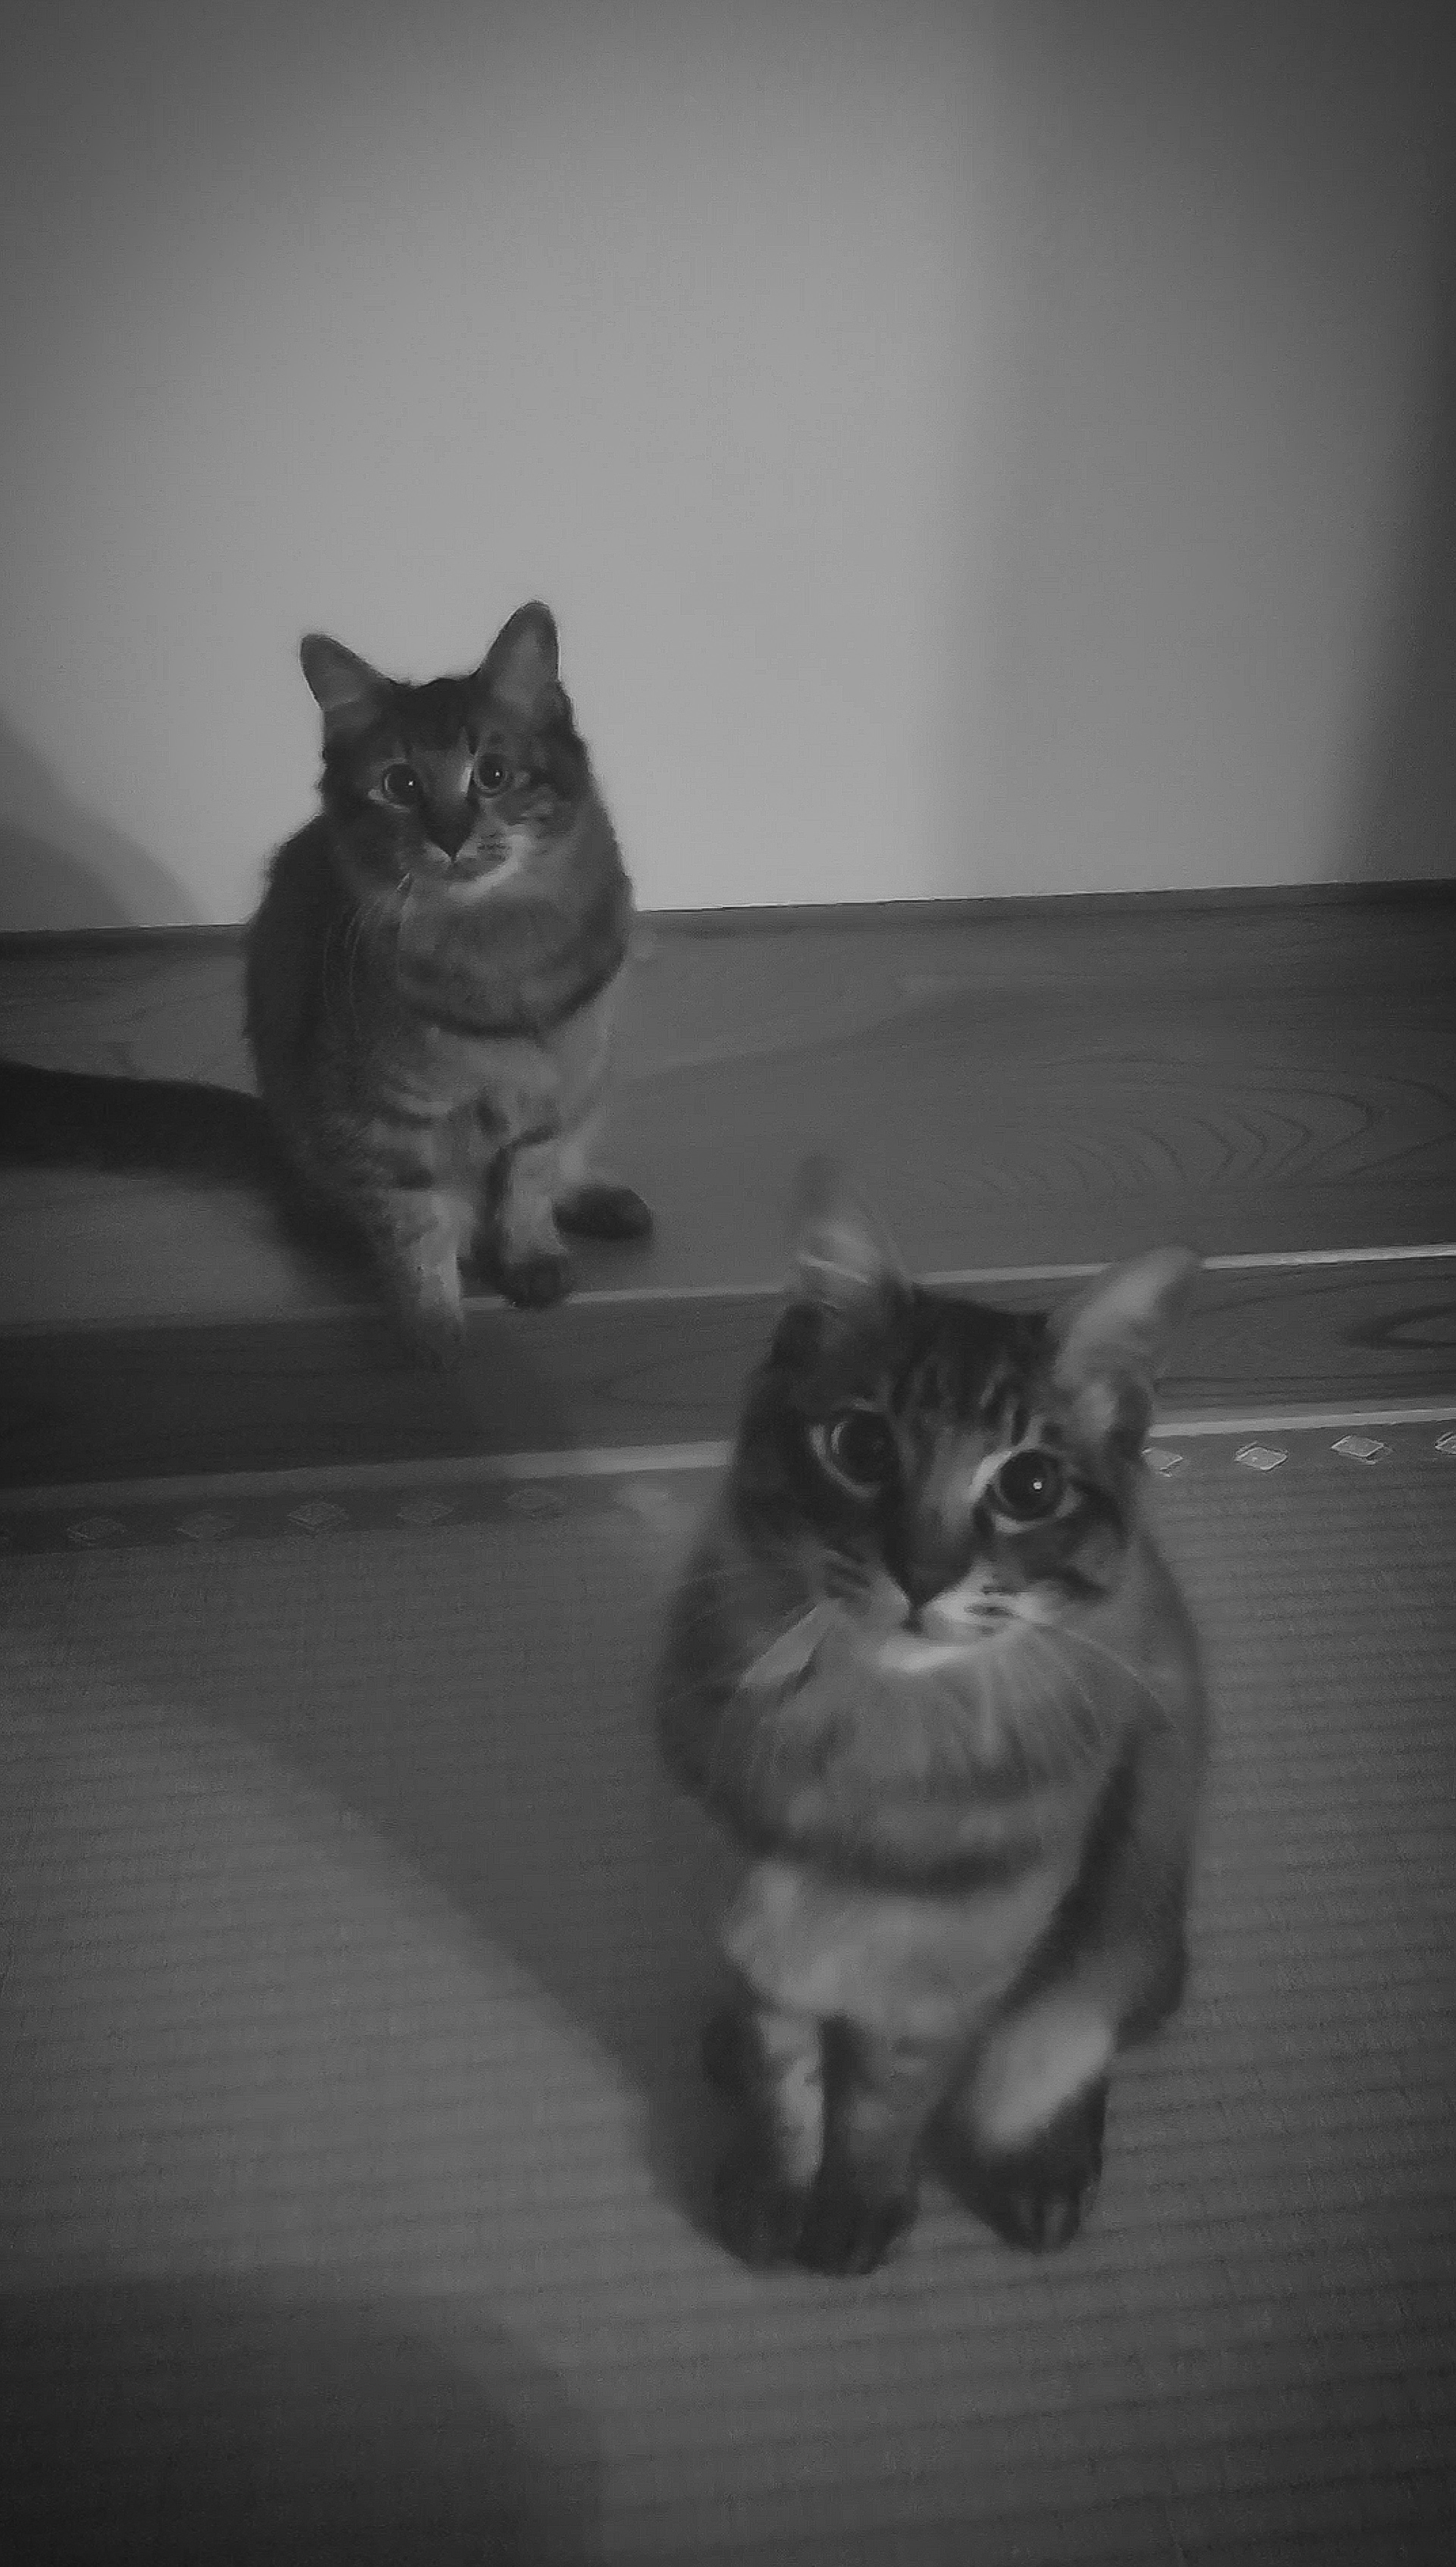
<point>66,1119</point>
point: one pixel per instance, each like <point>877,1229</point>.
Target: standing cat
<point>430,978</point>
<point>929,1669</point>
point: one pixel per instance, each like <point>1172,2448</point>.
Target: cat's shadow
<point>286,2417</point>
<point>600,1878</point>
<point>529,1792</point>
<point>611,1885</point>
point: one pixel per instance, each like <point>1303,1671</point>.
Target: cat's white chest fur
<point>926,1966</point>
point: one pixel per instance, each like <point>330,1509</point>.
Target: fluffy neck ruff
<point>516,962</point>
<point>936,1766</point>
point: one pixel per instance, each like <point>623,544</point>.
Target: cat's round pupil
<point>1030,1485</point>
<point>861,1446</point>
<point>401,783</point>
<point>489,774</point>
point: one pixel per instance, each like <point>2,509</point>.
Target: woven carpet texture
<point>354,2155</point>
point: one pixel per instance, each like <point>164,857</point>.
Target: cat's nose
<point>450,829</point>
<point>920,1580</point>
<point>923,1555</point>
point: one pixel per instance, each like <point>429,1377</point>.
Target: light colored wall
<point>970,448</point>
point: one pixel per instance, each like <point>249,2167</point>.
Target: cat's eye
<point>1029,1486</point>
<point>401,785</point>
<point>491,773</point>
<point>858,1447</point>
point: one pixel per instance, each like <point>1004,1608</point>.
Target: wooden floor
<point>1045,1089</point>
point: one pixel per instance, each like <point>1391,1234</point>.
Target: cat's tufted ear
<point>1112,1341</point>
<point>346,690</point>
<point>841,1260</point>
<point>521,664</point>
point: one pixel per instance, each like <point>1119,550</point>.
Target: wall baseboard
<point>39,941</point>
<point>1043,906</point>
<point>1049,907</point>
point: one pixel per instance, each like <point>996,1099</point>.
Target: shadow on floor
<point>199,2421</point>
<point>521,1780</point>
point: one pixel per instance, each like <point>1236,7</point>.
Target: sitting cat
<point>929,1669</point>
<point>430,978</point>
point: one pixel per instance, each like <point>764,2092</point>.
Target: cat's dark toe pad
<point>1038,2196</point>
<point>605,1212</point>
<point>758,2215</point>
<point>533,1282</point>
<point>847,2230</point>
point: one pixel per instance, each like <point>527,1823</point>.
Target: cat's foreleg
<point>824,2171</point>
<point>530,1260</point>
<point>1030,2121</point>
<point>1027,2134</point>
<point>545,1185</point>
<point>417,1225</point>
<point>587,1201</point>
<point>766,2180</point>
<point>882,2092</point>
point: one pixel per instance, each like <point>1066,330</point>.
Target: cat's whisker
<point>353,938</point>
<point>1074,1638</point>
<point>752,1726</point>
<point>788,1655</point>
<point>1089,1724</point>
<point>1025,1741</point>
<point>1035,1626</point>
<point>996,1682</point>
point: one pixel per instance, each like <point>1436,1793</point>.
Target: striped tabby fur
<point>431,980</point>
<point>930,1671</point>
<point>432,973</point>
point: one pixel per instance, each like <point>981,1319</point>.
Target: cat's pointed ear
<point>521,664</point>
<point>1112,1341</point>
<point>841,1260</point>
<point>346,690</point>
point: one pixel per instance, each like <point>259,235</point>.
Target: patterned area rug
<point>351,2197</point>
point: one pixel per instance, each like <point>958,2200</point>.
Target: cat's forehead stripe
<point>969,1354</point>
<point>946,1379</point>
<point>1000,1394</point>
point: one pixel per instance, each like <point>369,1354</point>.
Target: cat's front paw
<point>847,2230</point>
<point>601,1211</point>
<point>1038,2196</point>
<point>756,2213</point>
<point>536,1280</point>
<point>434,1332</point>
<point>1031,2212</point>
